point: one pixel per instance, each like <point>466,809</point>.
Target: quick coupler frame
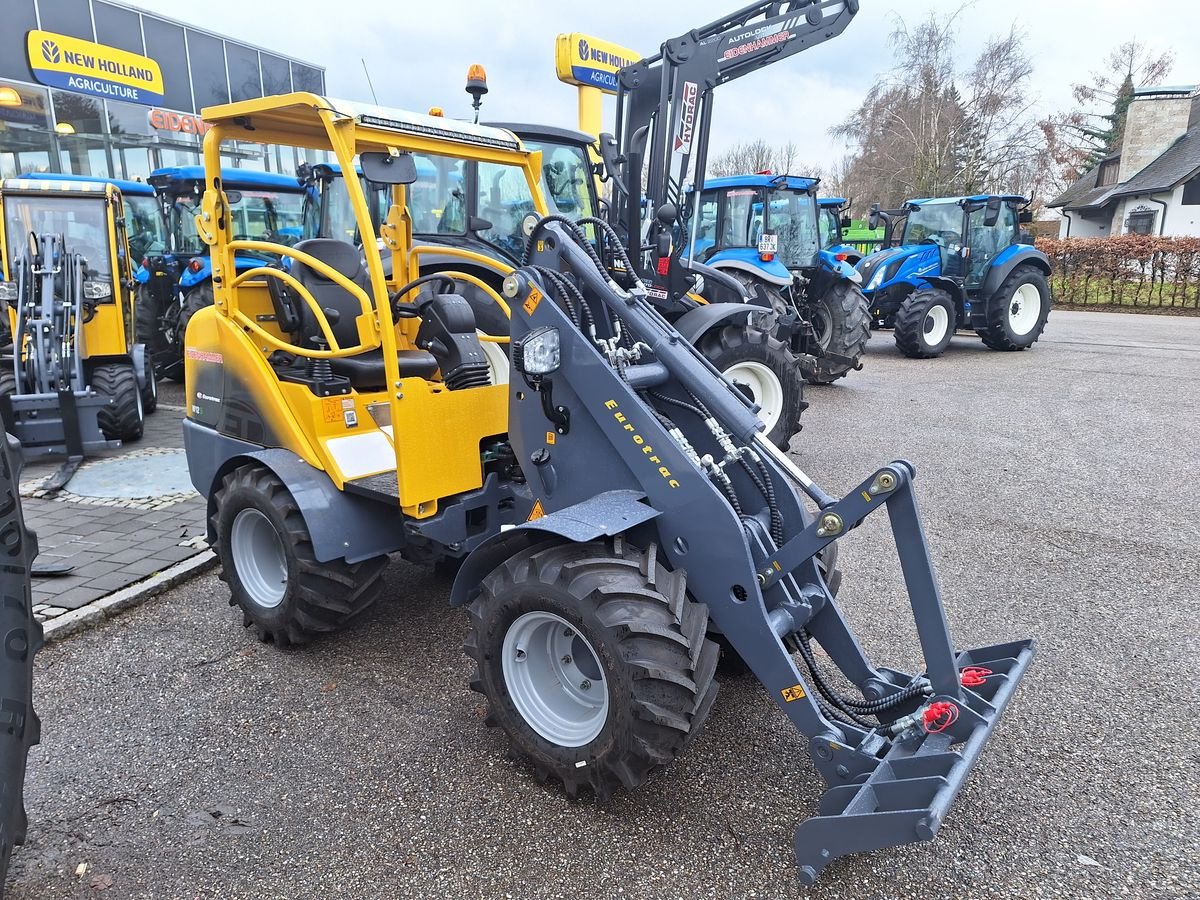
<point>893,784</point>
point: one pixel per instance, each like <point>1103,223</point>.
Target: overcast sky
<point>418,52</point>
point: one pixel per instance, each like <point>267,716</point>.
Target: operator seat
<point>365,370</point>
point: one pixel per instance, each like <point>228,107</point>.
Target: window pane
<point>505,201</point>
<point>277,75</point>
<point>34,112</point>
<point>209,82</point>
<point>18,19</point>
<point>307,79</point>
<point>169,50</point>
<point>66,17</point>
<point>243,71</point>
<point>118,27</point>
<point>437,201</point>
<point>84,114</point>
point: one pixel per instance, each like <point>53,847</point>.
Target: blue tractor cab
<point>834,224</point>
<point>177,280</point>
<point>959,262</point>
<point>766,231</point>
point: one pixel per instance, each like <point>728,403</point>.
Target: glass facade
<point>55,130</point>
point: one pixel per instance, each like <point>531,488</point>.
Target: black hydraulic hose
<point>552,278</point>
<point>616,242</point>
<point>823,688</point>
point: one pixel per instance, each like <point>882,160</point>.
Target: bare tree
<point>927,129</point>
<point>758,155</point>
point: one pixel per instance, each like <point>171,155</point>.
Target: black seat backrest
<point>342,257</point>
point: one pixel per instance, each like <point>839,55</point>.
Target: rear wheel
<point>267,560</point>
<point>19,725</point>
<point>593,661</point>
<point>842,323</point>
<point>150,388</point>
<point>8,378</point>
<point>124,419</point>
<point>146,319</point>
<point>195,300</point>
<point>1017,314</point>
<point>764,368</point>
<point>925,323</point>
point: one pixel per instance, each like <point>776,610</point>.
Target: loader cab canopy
<point>143,220</point>
<point>82,213</point>
<point>738,212</point>
<point>968,231</point>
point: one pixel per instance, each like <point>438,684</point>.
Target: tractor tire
<point>1017,314</point>
<point>150,390</point>
<point>124,419</point>
<point>925,323</point>
<point>19,725</point>
<point>8,378</point>
<point>267,559</point>
<point>195,300</point>
<point>145,322</point>
<point>764,368</point>
<point>593,661</point>
<point>842,321</point>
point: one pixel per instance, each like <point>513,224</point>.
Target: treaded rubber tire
<point>8,378</point>
<point>194,301</point>
<point>850,329</point>
<point>150,391</point>
<point>731,344</point>
<point>998,335</point>
<point>648,637</point>
<point>320,597</point>
<point>145,322</point>
<point>19,725</point>
<point>124,419</point>
<point>910,322</point>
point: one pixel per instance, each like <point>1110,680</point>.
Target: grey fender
<point>1024,255</point>
<point>337,521</point>
<point>693,323</point>
<point>137,356</point>
<point>604,515</point>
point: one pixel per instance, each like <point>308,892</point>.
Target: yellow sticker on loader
<point>537,512</point>
<point>532,301</point>
<point>551,437</point>
<point>793,693</point>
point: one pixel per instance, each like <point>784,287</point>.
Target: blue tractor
<point>834,225</point>
<point>960,262</point>
<point>176,280</point>
<point>765,231</point>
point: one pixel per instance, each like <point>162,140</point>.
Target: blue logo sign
<point>584,50</point>
<point>50,52</point>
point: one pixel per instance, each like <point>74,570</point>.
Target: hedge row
<point>1128,270</point>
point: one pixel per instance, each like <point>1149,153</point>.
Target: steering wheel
<point>412,310</point>
<point>943,238</point>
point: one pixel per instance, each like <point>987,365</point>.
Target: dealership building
<point>101,88</point>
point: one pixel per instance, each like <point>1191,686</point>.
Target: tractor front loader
<point>614,508</point>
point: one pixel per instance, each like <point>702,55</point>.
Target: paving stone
<point>131,555</point>
<point>114,580</point>
<point>79,596</point>
<point>143,567</point>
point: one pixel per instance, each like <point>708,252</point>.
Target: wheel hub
<point>258,557</point>
<point>763,386</point>
<point>1024,309</point>
<point>935,325</point>
<point>554,679</point>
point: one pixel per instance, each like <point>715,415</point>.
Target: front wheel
<point>267,560</point>
<point>842,324</point>
<point>925,323</point>
<point>125,418</point>
<point>764,369</point>
<point>593,661</point>
<point>1017,314</point>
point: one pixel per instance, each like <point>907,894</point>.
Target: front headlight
<point>97,290</point>
<point>8,291</point>
<point>538,352</point>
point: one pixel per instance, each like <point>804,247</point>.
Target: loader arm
<point>664,115</point>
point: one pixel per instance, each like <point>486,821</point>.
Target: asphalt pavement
<point>180,758</point>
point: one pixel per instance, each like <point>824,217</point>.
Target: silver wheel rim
<point>497,360</point>
<point>1024,309</point>
<point>555,679</point>
<point>258,558</point>
<point>935,325</point>
<point>764,388</point>
<point>822,324</point>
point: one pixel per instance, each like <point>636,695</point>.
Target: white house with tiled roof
<point>1153,185</point>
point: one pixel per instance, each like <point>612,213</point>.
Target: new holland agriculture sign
<point>591,62</point>
<point>60,61</point>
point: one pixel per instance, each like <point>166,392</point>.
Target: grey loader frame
<point>635,434</point>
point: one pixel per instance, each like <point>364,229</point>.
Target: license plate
<point>768,243</point>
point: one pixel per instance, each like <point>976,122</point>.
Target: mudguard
<point>746,259</point>
<point>839,268</point>
<point>607,514</point>
<point>137,356</point>
<point>1007,260</point>
<point>336,520</point>
<point>190,279</point>
<point>692,324</point>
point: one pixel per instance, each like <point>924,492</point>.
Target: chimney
<point>1158,117</point>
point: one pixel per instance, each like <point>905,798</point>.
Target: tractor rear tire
<point>593,661</point>
<point>267,559</point>
<point>19,725</point>
<point>195,300</point>
<point>146,319</point>
<point>150,390</point>
<point>846,329</point>
<point>1013,322</point>
<point>925,323</point>
<point>124,419</point>
<point>763,367</point>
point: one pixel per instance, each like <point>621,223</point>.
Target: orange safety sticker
<point>551,437</point>
<point>532,301</point>
<point>793,693</point>
<point>331,409</point>
<point>537,512</point>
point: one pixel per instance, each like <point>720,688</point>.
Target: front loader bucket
<point>906,798</point>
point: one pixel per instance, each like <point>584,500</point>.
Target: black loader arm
<point>664,116</point>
